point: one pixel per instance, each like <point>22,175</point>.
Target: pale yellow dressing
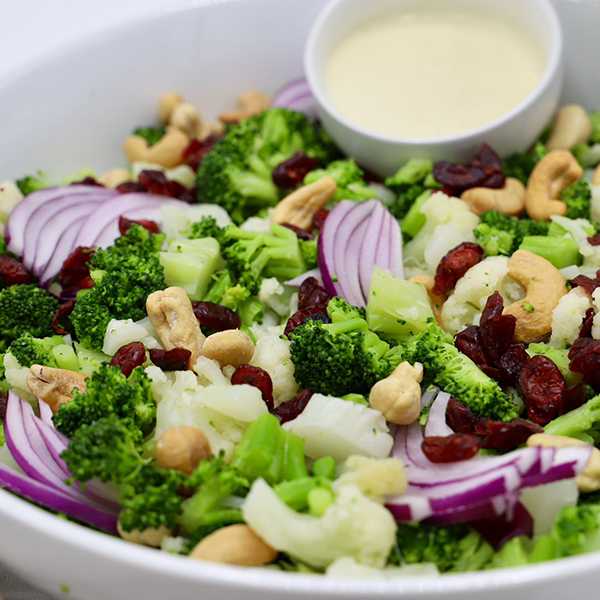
<point>431,73</point>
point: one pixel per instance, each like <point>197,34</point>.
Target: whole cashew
<point>55,386</point>
<point>544,287</point>
<point>166,106</point>
<point>187,118</point>
<point>437,302</point>
<point>509,200</point>
<point>115,177</point>
<point>167,152</point>
<point>230,347</point>
<point>182,449</point>
<point>398,396</point>
<point>555,172</point>
<point>596,178</point>
<point>572,126</point>
<point>235,545</point>
<point>250,102</point>
<point>299,207</point>
<point>173,318</point>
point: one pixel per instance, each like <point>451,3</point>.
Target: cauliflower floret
<point>449,223</point>
<point>595,207</point>
<point>122,332</point>
<point>10,196</point>
<point>465,305</point>
<point>258,224</point>
<point>568,316</point>
<point>353,526</point>
<point>16,375</point>
<point>281,300</point>
<point>339,428</point>
<point>596,322</point>
<point>272,354</point>
<point>591,256</point>
<point>376,478</point>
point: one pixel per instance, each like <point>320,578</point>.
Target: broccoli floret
<point>349,178</point>
<point>150,134</point>
<point>503,234</point>
<point>340,357</point>
<point>109,392</point>
<point>460,377</point>
<point>578,198</point>
<point>237,173</point>
<point>409,182</point>
<point>33,183</point>
<point>520,166</point>
<point>206,227</point>
<point>309,251</point>
<point>26,309</point>
<point>29,350</point>
<point>124,275</point>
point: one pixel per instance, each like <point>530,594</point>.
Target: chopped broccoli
<point>414,220</point>
<point>309,251</point>
<point>491,233</point>
<point>514,553</point>
<point>33,183</point>
<point>578,198</point>
<point>340,357</point>
<point>124,275</point>
<point>29,350</point>
<point>582,423</point>
<point>150,134</point>
<point>409,183</point>
<point>520,166</point>
<point>595,119</point>
<point>206,227</point>
<point>26,309</point>
<point>237,173</point>
<point>560,251</point>
<point>459,376</point>
<point>349,178</point>
<point>109,392</point>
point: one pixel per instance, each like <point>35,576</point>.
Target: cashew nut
<point>555,172</point>
<point>187,118</point>
<point>589,479</point>
<point>230,347</point>
<point>55,386</point>
<point>398,396</point>
<point>166,106</point>
<point>153,536</point>
<point>235,545</point>
<point>572,126</point>
<point>509,200</point>
<point>173,319</point>
<point>115,177</point>
<point>250,102</point>
<point>596,178</point>
<point>167,152</point>
<point>544,287</point>
<point>299,207</point>
<point>437,302</point>
<point>182,449</point>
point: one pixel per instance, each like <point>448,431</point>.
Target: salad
<point>243,348</point>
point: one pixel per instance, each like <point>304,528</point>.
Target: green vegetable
<point>324,467</point>
<point>520,166</point>
<point>309,250</point>
<point>494,241</point>
<point>33,183</point>
<point>595,120</point>
<point>319,500</point>
<point>150,134</point>
<point>414,219</point>
<point>26,309</point>
<point>237,173</point>
<point>349,178</point>
<point>29,350</point>
<point>514,553</point>
<point>578,198</point>
<point>582,423</point>
<point>560,251</point>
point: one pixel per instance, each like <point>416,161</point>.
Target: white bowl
<point>74,107</point>
<point>384,154</point>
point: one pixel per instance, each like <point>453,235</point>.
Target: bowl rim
<point>551,72</point>
<point>86,539</point>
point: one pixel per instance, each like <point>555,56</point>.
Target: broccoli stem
<point>561,252</point>
<point>295,493</point>
<point>324,467</point>
<point>65,357</point>
<point>319,501</point>
<point>294,466</point>
<point>545,548</point>
<point>577,421</point>
<point>414,219</point>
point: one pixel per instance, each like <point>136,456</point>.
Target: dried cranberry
<point>573,398</point>
<point>319,219</point>
<point>370,177</point>
<point>76,269</point>
<point>291,172</point>
<point>468,341</point>
<point>87,181</point>
<point>594,240</point>
<point>512,362</point>
<point>495,329</point>
<point>197,150</point>
<point>316,313</point>
<point>311,294</point>
<point>3,403</point>
<point>258,378</point>
<point>302,234</point>
<point>496,435</point>
<point>451,448</point>
<point>287,411</point>
<point>495,373</point>
<point>125,225</point>
<point>176,359</point>
<point>128,357</point>
<point>12,271</point>
<point>542,385</point>
<point>460,418</point>
<point>585,359</point>
<point>588,284</point>
<point>130,187</point>
<point>189,195</point>
<point>215,316</point>
<point>454,265</point>
<point>588,323</point>
<point>64,311</point>
<point>154,182</point>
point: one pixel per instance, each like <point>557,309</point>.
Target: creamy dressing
<point>431,73</point>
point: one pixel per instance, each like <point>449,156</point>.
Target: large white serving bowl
<point>73,108</point>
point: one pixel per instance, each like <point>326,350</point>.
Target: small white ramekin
<point>382,154</point>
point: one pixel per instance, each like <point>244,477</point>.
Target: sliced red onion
<point>436,420</point>
<point>297,96</point>
<point>54,500</point>
<point>368,250</point>
<point>499,530</point>
<point>326,246</point>
<point>298,281</point>
<point>63,249</point>
<point>45,412</point>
